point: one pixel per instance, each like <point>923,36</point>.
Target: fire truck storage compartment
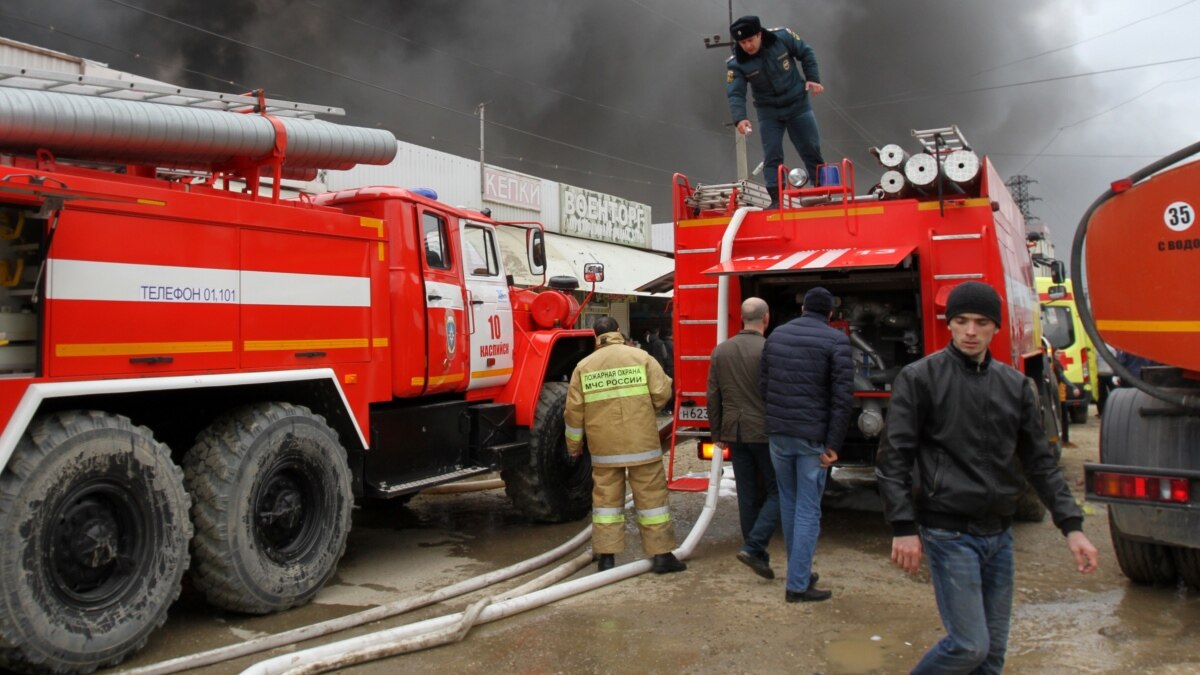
<point>880,309</point>
<point>21,235</point>
<point>494,440</point>
<point>410,443</point>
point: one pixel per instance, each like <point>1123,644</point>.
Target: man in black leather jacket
<point>971,426</point>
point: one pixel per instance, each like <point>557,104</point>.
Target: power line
<point>1017,84</point>
<point>136,55</point>
<point>1094,116</point>
<point>1076,44</point>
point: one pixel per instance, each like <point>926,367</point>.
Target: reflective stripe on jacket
<point>612,401</point>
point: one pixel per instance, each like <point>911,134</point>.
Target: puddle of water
<point>870,652</point>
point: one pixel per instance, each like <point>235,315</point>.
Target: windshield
<point>1058,326</point>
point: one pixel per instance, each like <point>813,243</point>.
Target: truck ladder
<point>720,196</point>
<point>149,91</point>
<point>941,141</point>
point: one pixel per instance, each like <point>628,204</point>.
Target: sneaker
<point>665,563</point>
<point>605,561</point>
<point>811,595</point>
<point>761,567</point>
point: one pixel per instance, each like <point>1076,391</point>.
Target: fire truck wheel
<point>552,487</point>
<point>1143,562</point>
<point>1079,414</point>
<point>272,503</point>
<point>1187,563</point>
<point>94,516</point>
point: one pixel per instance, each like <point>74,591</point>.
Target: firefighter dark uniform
<point>613,399</point>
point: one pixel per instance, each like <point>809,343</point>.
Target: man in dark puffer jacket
<point>807,384</point>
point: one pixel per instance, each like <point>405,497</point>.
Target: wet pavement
<point>717,617</point>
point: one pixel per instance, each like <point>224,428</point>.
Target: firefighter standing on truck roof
<point>771,61</point>
<point>613,399</point>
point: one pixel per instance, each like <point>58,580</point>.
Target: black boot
<point>605,561</point>
<point>665,563</point>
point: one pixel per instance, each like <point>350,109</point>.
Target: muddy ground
<point>717,617</point>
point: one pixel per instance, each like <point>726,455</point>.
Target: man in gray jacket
<point>735,415</point>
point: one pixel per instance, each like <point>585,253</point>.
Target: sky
<point>619,95</point>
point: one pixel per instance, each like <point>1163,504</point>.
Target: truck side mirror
<point>535,244</point>
<point>1058,272</point>
<point>593,272</point>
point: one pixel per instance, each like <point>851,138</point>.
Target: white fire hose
<point>447,628</point>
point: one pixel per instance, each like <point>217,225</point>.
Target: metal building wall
<point>662,237</point>
<point>23,55</point>
<point>454,178</point>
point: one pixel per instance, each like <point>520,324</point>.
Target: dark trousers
<point>802,129</point>
<point>758,495</point>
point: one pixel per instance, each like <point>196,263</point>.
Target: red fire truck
<point>182,354</point>
<point>892,256</point>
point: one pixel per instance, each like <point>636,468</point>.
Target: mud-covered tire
<point>93,516</point>
<point>1187,564</point>
<point>1079,414</point>
<point>1144,563</point>
<point>552,487</point>
<point>271,496</point>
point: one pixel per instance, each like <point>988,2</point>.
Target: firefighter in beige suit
<point>614,396</point>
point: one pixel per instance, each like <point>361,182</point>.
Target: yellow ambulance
<point>1062,327</point>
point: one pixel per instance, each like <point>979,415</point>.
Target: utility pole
<point>714,41</point>
<point>739,141</point>
<point>482,177</point>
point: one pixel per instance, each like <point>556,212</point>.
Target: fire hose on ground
<point>444,629</point>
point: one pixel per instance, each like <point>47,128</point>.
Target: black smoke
<point>612,95</point>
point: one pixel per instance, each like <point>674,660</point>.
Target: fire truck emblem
<point>451,334</point>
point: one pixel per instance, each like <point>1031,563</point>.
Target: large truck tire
<point>1144,563</point>
<point>552,487</point>
<point>1187,564</point>
<point>271,504</point>
<point>93,515</point>
<point>1079,414</point>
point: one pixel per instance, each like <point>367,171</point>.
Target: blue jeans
<point>801,482</point>
<point>752,469</point>
<point>973,582</point>
<point>802,129</point>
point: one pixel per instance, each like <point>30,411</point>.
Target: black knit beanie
<point>973,297</point>
<point>818,301</point>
